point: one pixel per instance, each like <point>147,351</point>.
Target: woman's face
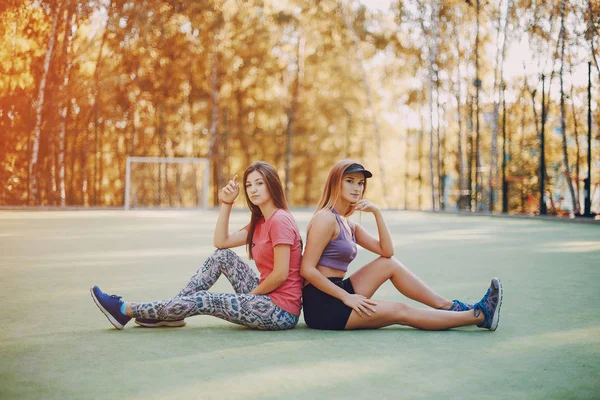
<point>352,186</point>
<point>256,189</point>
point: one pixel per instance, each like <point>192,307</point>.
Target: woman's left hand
<point>365,205</point>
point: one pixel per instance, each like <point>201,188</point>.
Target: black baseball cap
<point>355,167</point>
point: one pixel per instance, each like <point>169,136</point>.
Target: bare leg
<point>370,277</point>
<point>388,313</point>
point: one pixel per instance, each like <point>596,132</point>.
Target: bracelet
<point>225,202</point>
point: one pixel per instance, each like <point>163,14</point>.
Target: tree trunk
<point>83,165</point>
<point>591,30</point>
<point>132,141</point>
<point>161,167</point>
<point>471,154</point>
<point>420,164</point>
<point>406,164</point>
<point>498,82</point>
<point>292,112</point>
<point>189,141</point>
<point>33,170</point>
<point>505,156</point>
<point>131,115</point>
<point>101,139</point>
<point>72,151</point>
<point>543,174</point>
<point>522,143</point>
<point>578,150</point>
<point>533,106</point>
<point>214,118</point>
<point>478,177</point>
<point>4,143</point>
<point>563,124</point>
<point>496,112</point>
<point>51,162</point>
<point>96,105</point>
<point>308,183</point>
<point>440,145</point>
<point>433,128</point>
<point>503,85</point>
<point>457,94</point>
<point>64,106</point>
<point>538,134</point>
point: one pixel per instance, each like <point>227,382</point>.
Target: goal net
<point>157,182</point>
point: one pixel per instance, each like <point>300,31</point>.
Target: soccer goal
<point>161,182</point>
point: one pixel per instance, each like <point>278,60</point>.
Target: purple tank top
<point>340,251</point>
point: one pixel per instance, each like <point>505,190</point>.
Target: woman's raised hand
<point>361,304</point>
<point>230,191</point>
<point>365,205</point>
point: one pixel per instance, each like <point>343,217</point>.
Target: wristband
<point>225,202</point>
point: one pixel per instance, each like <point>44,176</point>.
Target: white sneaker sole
<point>496,317</point>
<point>112,319</point>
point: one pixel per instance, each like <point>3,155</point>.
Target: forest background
<point>451,104</point>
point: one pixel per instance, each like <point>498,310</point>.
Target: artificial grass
<point>55,343</point>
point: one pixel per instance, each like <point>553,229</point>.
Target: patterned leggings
<point>251,310</point>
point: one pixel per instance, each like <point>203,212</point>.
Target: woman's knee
<point>219,252</point>
<point>394,264</point>
<point>391,263</point>
<point>222,258</point>
<point>223,254</point>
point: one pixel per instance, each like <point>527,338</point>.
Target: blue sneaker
<point>110,305</point>
<point>458,305</point>
<point>158,323</point>
<point>490,306</point>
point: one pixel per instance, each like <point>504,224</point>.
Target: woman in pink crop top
<point>332,302</point>
<point>271,302</point>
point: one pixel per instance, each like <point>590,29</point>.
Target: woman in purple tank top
<point>332,302</point>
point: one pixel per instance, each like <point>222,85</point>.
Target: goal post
<point>164,182</point>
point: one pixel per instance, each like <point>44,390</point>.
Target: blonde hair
<point>333,187</point>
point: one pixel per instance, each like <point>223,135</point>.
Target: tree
<point>33,166</point>
<point>563,125</point>
<point>64,101</point>
<point>501,33</point>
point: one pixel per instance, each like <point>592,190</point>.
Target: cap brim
<point>352,170</point>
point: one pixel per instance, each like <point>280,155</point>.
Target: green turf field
<point>55,343</point>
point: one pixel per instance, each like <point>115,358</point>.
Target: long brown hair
<point>275,189</point>
<point>333,187</point>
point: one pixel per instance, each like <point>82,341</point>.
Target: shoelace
<point>481,306</point>
<point>461,305</point>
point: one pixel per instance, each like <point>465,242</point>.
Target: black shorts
<point>322,311</point>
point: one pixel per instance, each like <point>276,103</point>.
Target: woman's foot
<point>490,306</point>
<point>110,305</point>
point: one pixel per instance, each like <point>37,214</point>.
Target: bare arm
<point>222,238</point>
<point>382,246</point>
<point>280,272</point>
